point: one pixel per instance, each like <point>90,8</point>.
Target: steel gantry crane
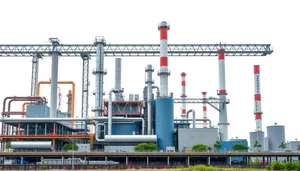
<point>100,49</point>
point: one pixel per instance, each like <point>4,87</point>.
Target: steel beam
<point>35,74</point>
<point>85,85</point>
<point>17,50</point>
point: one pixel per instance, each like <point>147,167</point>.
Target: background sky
<point>191,22</point>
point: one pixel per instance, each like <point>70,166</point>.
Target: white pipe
<point>130,138</point>
<point>149,83</point>
<point>54,75</point>
<point>113,90</point>
<point>194,117</point>
<point>118,77</point>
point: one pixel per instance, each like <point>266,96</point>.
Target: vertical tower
<point>183,95</point>
<point>204,110</point>
<point>223,123</point>
<point>118,78</point>
<point>163,27</point>
<point>257,99</point>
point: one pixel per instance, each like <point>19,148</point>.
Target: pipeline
<point>61,82</point>
<point>194,117</point>
<point>113,90</point>
<point>154,87</point>
<point>195,120</point>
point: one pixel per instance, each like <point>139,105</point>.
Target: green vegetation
<point>67,147</point>
<point>209,148</point>
<point>144,147</point>
<point>282,145</point>
<point>199,147</point>
<point>276,165</point>
<point>217,145</point>
<point>43,164</point>
<point>8,145</point>
<point>257,145</point>
<point>239,147</point>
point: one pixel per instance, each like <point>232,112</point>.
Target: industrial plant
<point>119,124</point>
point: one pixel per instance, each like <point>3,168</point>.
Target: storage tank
<point>293,146</point>
<point>266,147</point>
<point>257,136</point>
<point>130,97</point>
<point>136,97</point>
<point>164,122</point>
<point>276,135</point>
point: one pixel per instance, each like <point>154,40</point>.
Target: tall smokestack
<point>204,110</point>
<point>163,27</point>
<point>118,78</point>
<point>183,95</point>
<point>223,123</point>
<point>257,99</point>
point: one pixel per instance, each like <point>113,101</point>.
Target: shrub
<point>278,165</point>
<point>269,167</point>
<point>291,166</point>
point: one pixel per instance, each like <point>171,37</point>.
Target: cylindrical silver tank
<point>31,144</point>
<point>130,97</point>
<point>136,97</point>
<point>276,135</point>
<point>260,138</point>
<point>293,146</point>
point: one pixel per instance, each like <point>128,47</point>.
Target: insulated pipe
<point>195,120</point>
<point>204,109</point>
<point>113,90</point>
<point>183,96</point>
<point>99,72</point>
<point>149,83</point>
<point>194,117</point>
<point>154,87</point>
<point>223,123</point>
<point>54,75</point>
<point>118,77</point>
<point>61,82</point>
<point>163,27</point>
<point>6,120</point>
<point>23,108</point>
<point>257,99</point>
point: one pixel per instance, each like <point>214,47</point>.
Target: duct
<point>117,119</point>
<point>130,138</point>
<point>118,78</point>
<point>113,90</point>
<point>31,144</point>
<point>195,120</point>
<point>154,87</point>
<point>194,117</point>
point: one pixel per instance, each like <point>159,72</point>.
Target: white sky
<point>135,22</point>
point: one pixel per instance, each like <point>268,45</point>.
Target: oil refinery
<point>120,124</point>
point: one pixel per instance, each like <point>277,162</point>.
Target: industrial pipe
<point>130,138</point>
<point>149,83</point>
<point>195,120</point>
<point>194,117</point>
<point>61,82</point>
<point>23,108</point>
<point>154,87</point>
<point>113,90</point>
<point>118,77</point>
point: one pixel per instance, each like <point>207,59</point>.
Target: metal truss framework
<point>34,75</point>
<point>85,85</point>
<point>212,101</point>
<point>137,49</point>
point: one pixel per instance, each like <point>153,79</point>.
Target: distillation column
<point>183,96</point>
<point>204,110</point>
<point>99,72</point>
<point>118,77</point>
<point>149,83</point>
<point>164,71</point>
<point>223,123</point>
<point>54,75</point>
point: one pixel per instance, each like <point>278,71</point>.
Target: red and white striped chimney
<point>257,99</point>
<point>183,95</point>
<point>163,27</point>
<point>204,110</point>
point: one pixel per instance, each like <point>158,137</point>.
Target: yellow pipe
<point>23,107</point>
<point>61,82</point>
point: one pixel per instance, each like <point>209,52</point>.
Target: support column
<point>105,160</point>
<point>35,132</point>
<point>188,161</point>
<point>35,73</point>
<point>229,161</point>
<point>85,85</point>
<point>22,159</point>
<point>54,75</point>
<point>208,160</point>
<point>168,160</point>
<point>264,163</point>
<point>62,160</point>
<point>85,161</point>
<point>126,160</point>
<point>147,161</point>
<point>276,158</point>
<point>99,72</point>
